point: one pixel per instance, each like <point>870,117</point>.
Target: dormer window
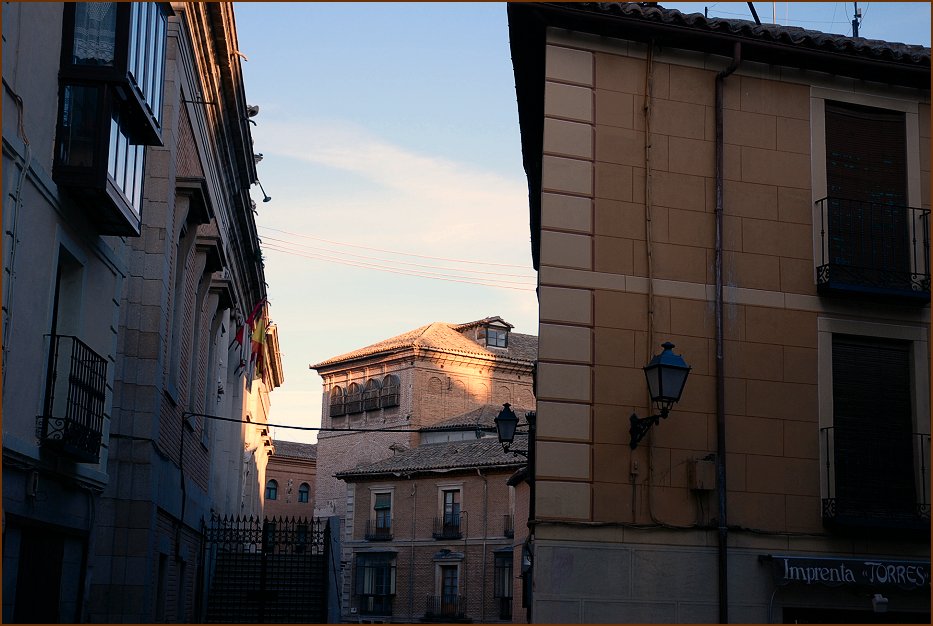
<point>497,336</point>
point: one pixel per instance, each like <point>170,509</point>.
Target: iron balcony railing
<point>76,387</point>
<point>875,478</point>
<point>375,604</point>
<point>378,531</point>
<point>508,525</point>
<point>505,607</point>
<point>446,606</point>
<point>447,527</point>
<point>874,248</point>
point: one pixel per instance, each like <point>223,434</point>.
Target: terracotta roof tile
<point>482,417</point>
<point>478,453</point>
<point>295,450</point>
<point>857,46</point>
<point>442,337</point>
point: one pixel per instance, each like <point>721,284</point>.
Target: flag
<point>241,331</point>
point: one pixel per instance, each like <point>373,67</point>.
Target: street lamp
<point>666,374</point>
<point>506,422</point>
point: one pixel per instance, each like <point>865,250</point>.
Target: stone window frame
<point>376,490</point>
<point>818,182</point>
<point>917,336</point>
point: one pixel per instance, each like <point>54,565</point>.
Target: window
<point>497,337</point>
<point>304,492</point>
<point>371,395</point>
<point>502,583</point>
<point>272,490</point>
<point>375,582</point>
<point>447,526</point>
<point>451,506</point>
<point>111,82</point>
<point>447,603</point>
<point>338,401</point>
<point>389,392</point>
<point>874,426</point>
<point>872,452</point>
<point>379,526</point>
<point>872,238</point>
<point>354,398</point>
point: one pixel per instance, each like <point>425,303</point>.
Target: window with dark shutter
<point>871,239</point>
<point>872,434</point>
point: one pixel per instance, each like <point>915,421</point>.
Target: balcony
<point>446,608</point>
<point>874,249</point>
<point>508,525</point>
<point>447,527</point>
<point>375,604</point>
<point>876,480</point>
<point>73,418</point>
<point>505,607</point>
<point>376,531</point>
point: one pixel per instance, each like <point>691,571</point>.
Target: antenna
<point>856,20</point>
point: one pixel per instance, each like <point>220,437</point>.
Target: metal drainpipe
<point>482,613</point>
<point>720,372</point>
<point>411,571</point>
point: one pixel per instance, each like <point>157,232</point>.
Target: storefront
<point>847,590</point>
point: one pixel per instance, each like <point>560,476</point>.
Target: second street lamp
<point>666,374</point>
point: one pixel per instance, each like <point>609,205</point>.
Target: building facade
<point>433,536</point>
<point>387,393</point>
<point>131,261</point>
<point>290,477</point>
<point>760,197</point>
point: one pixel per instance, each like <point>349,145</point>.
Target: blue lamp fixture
<point>666,374</point>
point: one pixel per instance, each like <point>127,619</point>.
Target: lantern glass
<point>666,374</point>
<point>506,422</point>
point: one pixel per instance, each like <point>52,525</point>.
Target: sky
<point>392,156</point>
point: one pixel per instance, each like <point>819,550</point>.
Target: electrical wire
<point>363,256</point>
<point>435,276</point>
<point>420,256</point>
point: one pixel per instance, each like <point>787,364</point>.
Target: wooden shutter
<point>872,424</point>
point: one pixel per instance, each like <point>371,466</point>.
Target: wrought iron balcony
<point>378,531</point>
<point>446,607</point>
<point>75,391</point>
<point>447,527</point>
<point>872,248</point>
<point>508,525</point>
<point>505,607</point>
<point>375,604</point>
<point>876,479</point>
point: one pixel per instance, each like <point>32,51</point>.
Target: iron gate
<point>266,571</point>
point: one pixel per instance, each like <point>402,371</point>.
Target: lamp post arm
<point>640,426</point>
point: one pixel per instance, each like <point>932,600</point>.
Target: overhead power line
<point>373,258</point>
<point>402,271</point>
<point>412,254</point>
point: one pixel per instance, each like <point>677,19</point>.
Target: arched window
<point>338,401</point>
<point>354,398</point>
<point>371,395</point>
<point>272,490</point>
<point>389,394</point>
<point>304,492</point>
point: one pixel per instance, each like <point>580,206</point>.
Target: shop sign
<point>835,572</point>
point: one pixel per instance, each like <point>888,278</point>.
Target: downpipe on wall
<point>720,372</point>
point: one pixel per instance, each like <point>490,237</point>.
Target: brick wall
<point>415,505</point>
<point>431,390</point>
<point>290,474</point>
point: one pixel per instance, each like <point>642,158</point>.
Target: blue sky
<point>392,128</point>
